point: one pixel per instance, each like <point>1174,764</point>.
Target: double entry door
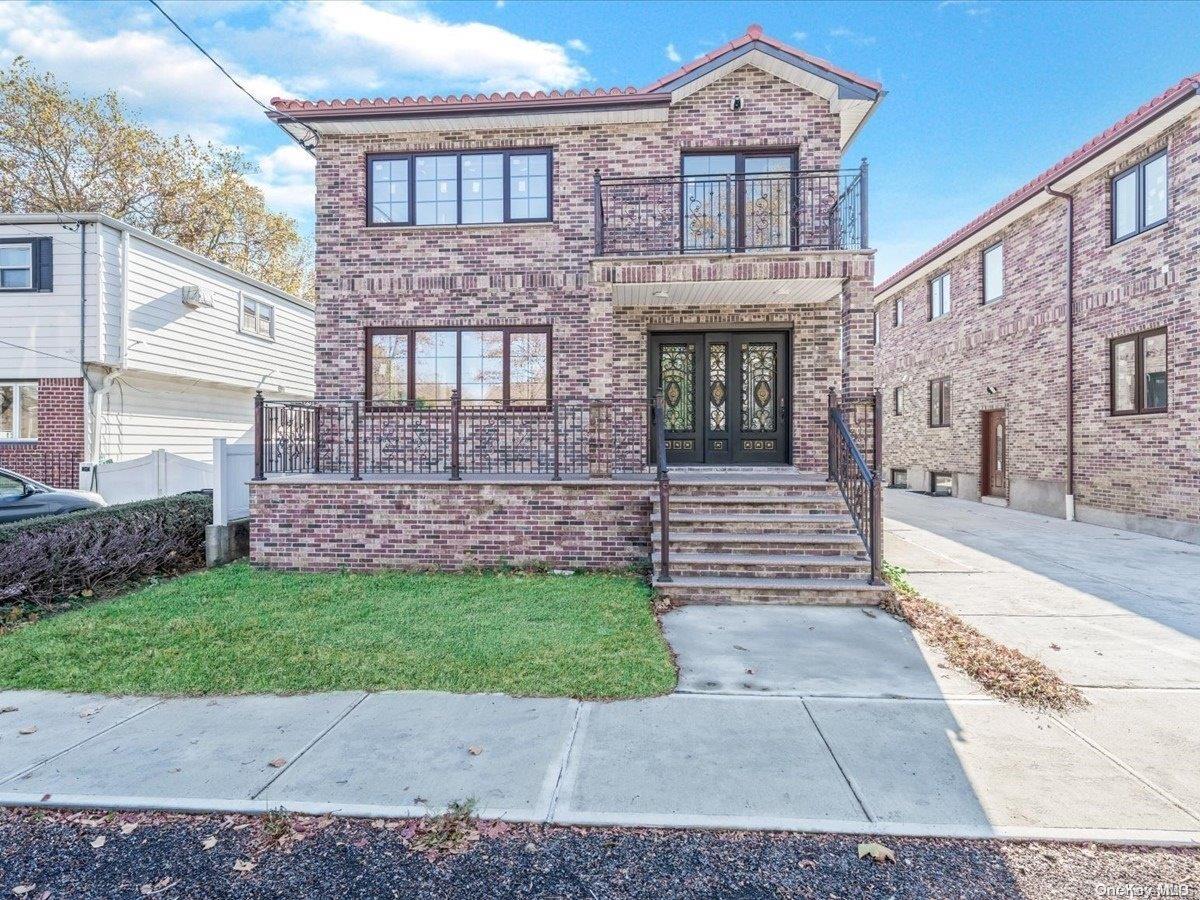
<point>725,396</point>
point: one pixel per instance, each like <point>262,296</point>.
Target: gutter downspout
<point>1070,498</point>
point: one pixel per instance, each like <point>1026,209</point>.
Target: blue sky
<point>982,95</point>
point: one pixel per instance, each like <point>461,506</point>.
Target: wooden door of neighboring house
<point>993,482</point>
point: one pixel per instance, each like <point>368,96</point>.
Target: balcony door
<point>735,202</point>
<point>725,395</point>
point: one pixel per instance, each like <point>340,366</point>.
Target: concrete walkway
<point>817,719</point>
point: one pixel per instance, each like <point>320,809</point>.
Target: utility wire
<point>191,40</point>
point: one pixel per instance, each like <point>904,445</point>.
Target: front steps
<point>761,536</point>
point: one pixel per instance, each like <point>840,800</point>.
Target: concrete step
<point>769,565</point>
<point>788,486</point>
<point>758,502</point>
<point>683,589</point>
<point>814,544</point>
<point>720,520</point>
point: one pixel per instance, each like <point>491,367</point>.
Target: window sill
<point>487,226</point>
<point>1120,242</point>
<point>259,337</point>
<point>1136,417</point>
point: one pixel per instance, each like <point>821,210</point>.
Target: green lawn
<point>235,630</point>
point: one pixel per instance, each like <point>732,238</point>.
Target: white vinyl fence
<point>158,474</point>
<point>233,467</point>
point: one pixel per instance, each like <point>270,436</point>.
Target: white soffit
<point>850,112</point>
<point>1064,183</point>
<point>728,293</point>
<point>492,121</point>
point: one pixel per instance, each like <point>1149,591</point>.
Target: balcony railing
<point>707,214</point>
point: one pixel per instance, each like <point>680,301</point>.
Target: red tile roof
<point>318,108</point>
<point>1097,145</point>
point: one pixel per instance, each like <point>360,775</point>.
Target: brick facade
<point>59,449</point>
<point>1140,472</point>
<point>450,525</point>
<point>547,274</point>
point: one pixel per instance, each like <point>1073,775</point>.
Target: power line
<point>42,352</point>
<point>191,40</point>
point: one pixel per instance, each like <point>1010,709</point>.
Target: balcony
<point>707,215</point>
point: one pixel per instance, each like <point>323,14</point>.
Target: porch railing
<point>861,485</point>
<point>453,438</point>
<point>780,211</point>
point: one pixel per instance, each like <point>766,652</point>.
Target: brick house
<point>537,267</point>
<point>1046,356</point>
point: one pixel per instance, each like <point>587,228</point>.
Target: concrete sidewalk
<point>817,719</point>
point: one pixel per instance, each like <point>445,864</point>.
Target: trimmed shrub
<point>47,560</point>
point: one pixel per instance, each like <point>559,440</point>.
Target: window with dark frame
<point>26,264</point>
<point>899,478</point>
<point>941,484</point>
<point>898,401</point>
<point>468,188</point>
<point>939,296</point>
<point>939,403</point>
<point>993,273</point>
<point>898,313</point>
<point>1139,197</point>
<point>1138,373</point>
<point>507,367</point>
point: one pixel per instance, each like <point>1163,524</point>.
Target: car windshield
<point>6,477</point>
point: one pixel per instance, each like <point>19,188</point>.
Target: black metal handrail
<point>780,211</point>
<point>453,438</point>
<point>664,487</point>
<point>860,485</point>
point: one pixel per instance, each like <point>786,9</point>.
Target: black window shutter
<point>44,264</point>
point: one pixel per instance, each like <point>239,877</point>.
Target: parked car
<point>24,498</point>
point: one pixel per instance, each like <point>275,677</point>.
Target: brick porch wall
<point>59,449</point>
<point>447,525</point>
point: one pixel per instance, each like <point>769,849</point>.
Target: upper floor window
<point>898,401</point>
<point>939,296</point>
<point>459,188</point>
<point>939,402</point>
<point>27,264</point>
<point>875,329</point>
<point>503,366</point>
<point>1139,197</point>
<point>993,273</point>
<point>18,411</point>
<point>258,318</point>
<point>898,313</point>
<point>1138,366</point>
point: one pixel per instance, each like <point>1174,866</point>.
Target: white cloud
<point>580,46</point>
<point>166,79</point>
<point>673,54</point>
<point>286,180</point>
<point>499,4</point>
<point>854,37</point>
<point>800,35</point>
<point>411,40</point>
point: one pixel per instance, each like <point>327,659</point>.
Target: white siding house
<point>114,343</point>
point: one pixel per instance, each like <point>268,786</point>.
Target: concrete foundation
<point>225,543</point>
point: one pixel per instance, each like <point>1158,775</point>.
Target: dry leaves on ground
<point>1002,671</point>
<point>877,852</point>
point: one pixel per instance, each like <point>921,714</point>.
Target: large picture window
<point>459,188</point>
<point>488,366</point>
<point>18,411</point>
<point>1139,373</point>
<point>1139,197</point>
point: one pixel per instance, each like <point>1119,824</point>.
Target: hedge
<point>47,560</point>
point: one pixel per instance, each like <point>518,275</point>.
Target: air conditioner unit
<point>197,297</point>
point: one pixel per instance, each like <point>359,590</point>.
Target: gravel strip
<point>59,854</point>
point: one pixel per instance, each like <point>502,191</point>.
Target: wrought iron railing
<point>774,211</point>
<point>861,485</point>
<point>452,438</point>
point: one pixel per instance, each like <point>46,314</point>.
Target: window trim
<point>31,243</point>
<point>507,331</point>
<point>411,157</point>
<point>945,276</point>
<point>1141,225</point>
<point>243,298</point>
<point>942,385</point>
<point>892,480</point>
<point>16,438</point>
<point>876,332</point>
<point>1139,395</point>
<point>898,400</point>
<point>933,480</point>
<point>898,312</point>
<point>983,273</point>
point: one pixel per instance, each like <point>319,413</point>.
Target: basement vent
<point>197,297</point>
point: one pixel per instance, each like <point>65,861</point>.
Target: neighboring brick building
<point>565,255</point>
<point>999,365</point>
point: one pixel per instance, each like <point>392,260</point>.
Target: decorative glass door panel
<point>736,202</point>
<point>725,396</point>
